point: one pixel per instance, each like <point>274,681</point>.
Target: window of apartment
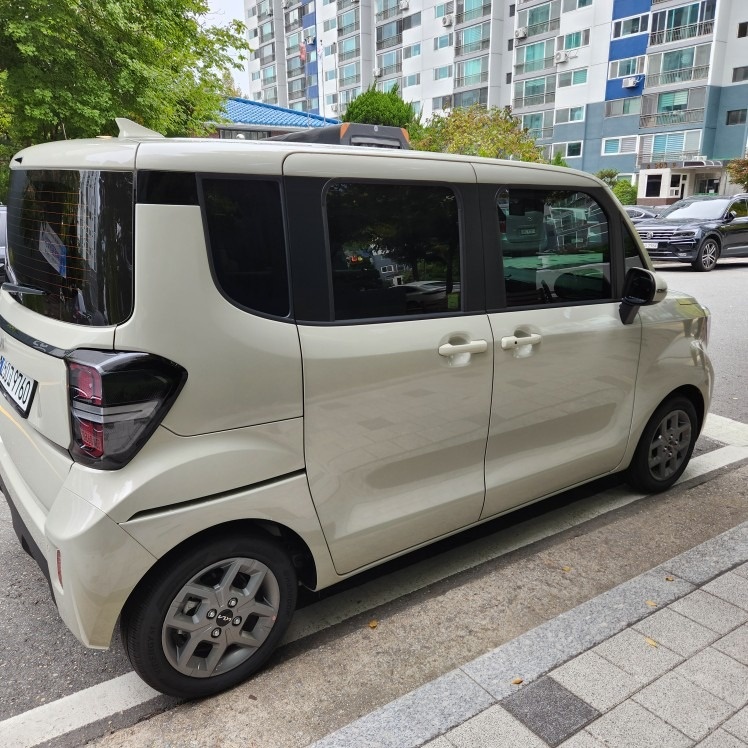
<point>443,9</point>
<point>390,217</point>
<point>411,80</point>
<point>330,24</point>
<point>572,149</point>
<point>441,102</point>
<point>512,10</point>
<point>654,185</point>
<point>472,97</point>
<point>572,114</point>
<point>742,29</point>
<point>629,66</point>
<point>682,22</point>
<point>508,78</point>
<point>573,41</point>
<point>616,146</point>
<point>330,75</point>
<point>470,72</point>
<point>388,85</point>
<point>688,63</point>
<point>414,50</point>
<point>575,4</point>
<point>672,101</point>
<point>619,107</point>
<point>572,77</point>
<point>441,42</point>
<point>254,33</point>
<point>509,45</point>
<point>256,75</point>
<point>740,74</point>
<point>531,57</point>
<point>445,71</point>
<point>331,99</point>
<point>349,48</point>
<point>413,21</point>
<point>736,117</point>
<point>540,124</point>
<point>629,26</point>
<point>474,38</point>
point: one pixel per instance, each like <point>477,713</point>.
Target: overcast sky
<point>224,11</point>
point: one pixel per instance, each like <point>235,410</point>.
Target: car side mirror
<point>731,216</point>
<point>641,287</point>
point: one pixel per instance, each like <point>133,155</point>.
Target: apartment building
<point>656,89</point>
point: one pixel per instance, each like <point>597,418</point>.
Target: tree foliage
<point>374,107</point>
<point>559,160</point>
<point>72,66</point>
<point>625,192</point>
<point>477,131</point>
<point>608,176</point>
<point>737,170</point>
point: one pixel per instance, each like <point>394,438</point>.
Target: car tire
<point>707,257</point>
<point>209,616</point>
<point>665,446</point>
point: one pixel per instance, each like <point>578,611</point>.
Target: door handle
<point>474,346</point>
<point>513,341</point>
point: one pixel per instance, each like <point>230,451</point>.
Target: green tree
<point>608,176</point>
<point>625,192</point>
<point>737,170</point>
<point>71,66</point>
<point>374,107</point>
<point>477,131</point>
<point>559,160</point>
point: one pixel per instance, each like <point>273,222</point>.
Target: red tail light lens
<point>117,400</point>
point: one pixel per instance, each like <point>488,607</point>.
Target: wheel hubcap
<point>221,617</point>
<point>709,255</point>
<point>669,446</point>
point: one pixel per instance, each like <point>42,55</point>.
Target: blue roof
<point>246,112</point>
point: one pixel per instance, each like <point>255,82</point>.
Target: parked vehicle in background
<point>698,230</point>
<point>3,239</point>
<point>639,212</point>
<point>181,456</point>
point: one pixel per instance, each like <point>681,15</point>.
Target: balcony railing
<point>295,71</point>
<point>390,41</point>
<point>533,65</point>
<point>681,117</point>
<point>391,69</point>
<point>267,59</point>
<point>471,80</point>
<point>666,157</point>
<point>349,29</point>
<point>349,55</point>
<point>535,99</point>
<point>544,27</point>
<point>387,13</point>
<point>349,81</point>
<point>682,75</point>
<point>291,51</point>
<point>473,13</point>
<point>270,81</point>
<point>268,13</point>
<point>293,25</point>
<point>466,49</point>
<point>539,133</point>
<point>679,33</point>
<point>296,95</point>
<point>343,4</point>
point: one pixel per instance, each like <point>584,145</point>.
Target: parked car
<point>640,212</point>
<point>212,396</point>
<point>698,230</point>
<point>3,239</point>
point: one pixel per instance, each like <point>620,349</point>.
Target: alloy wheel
<point>670,445</point>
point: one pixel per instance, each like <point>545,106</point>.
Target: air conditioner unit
<point>561,57</point>
<point>377,72</point>
<point>520,33</point>
<point>447,20</point>
<point>285,4</point>
<point>403,4</point>
<point>334,108</point>
<point>631,82</point>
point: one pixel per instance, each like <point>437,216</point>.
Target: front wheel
<point>665,446</point>
<point>208,618</point>
<point>707,257</point>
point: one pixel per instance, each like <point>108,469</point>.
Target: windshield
<point>695,209</point>
<point>70,237</point>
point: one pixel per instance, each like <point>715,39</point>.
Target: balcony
<point>349,29</point>
<point>390,41</point>
<point>653,159</point>
<point>392,69</point>
<point>533,65</point>
<point>535,99</point>
<point>682,75</point>
<point>295,71</point>
<point>387,13</point>
<point>679,33</point>
<point>542,28</point>
<point>296,95</point>
<point>267,13</point>
<point>351,54</point>
<point>343,4</point>
<point>540,133</point>
<point>681,117</point>
<point>466,49</point>
<point>351,80</point>
<point>272,80</point>
<point>474,13</point>
<point>471,80</point>
<point>293,25</point>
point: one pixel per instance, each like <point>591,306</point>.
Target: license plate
<point>16,385</point>
<point>650,245</point>
<point>527,232</point>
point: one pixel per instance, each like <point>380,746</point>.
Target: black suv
<point>699,230</point>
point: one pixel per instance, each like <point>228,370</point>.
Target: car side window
<point>555,247</point>
<point>740,208</point>
<point>394,249</point>
<point>631,252</point>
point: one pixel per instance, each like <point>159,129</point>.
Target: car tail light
<point>117,400</point>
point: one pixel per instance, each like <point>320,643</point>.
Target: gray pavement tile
<point>735,644</point>
<point>738,725</point>
<point>676,632</point>
<point>710,611</point>
<point>688,707</point>
<point>595,680</point>
<point>721,739</point>
<point>440,742</point>
<point>631,652</point>
<point>731,587</point>
<point>582,740</point>
<point>494,728</point>
<point>630,725</point>
<point>549,710</point>
<point>719,674</point>
<point>741,570</point>
<point>705,561</point>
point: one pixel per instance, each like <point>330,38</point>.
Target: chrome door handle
<point>474,346</point>
<point>513,341</point>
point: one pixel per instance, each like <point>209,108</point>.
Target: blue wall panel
<point>626,8</point>
<point>629,46</point>
<point>614,89</point>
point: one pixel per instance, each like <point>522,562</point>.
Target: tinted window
<point>739,208</point>
<point>555,247</point>
<point>70,237</point>
<point>247,245</point>
<point>394,250</point>
<point>631,251</point>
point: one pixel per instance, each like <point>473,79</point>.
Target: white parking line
<point>126,691</point>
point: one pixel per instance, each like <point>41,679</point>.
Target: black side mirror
<point>731,216</point>
<point>639,289</point>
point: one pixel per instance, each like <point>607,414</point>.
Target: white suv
<point>218,386</point>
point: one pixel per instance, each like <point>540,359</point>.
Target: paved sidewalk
<point>661,660</point>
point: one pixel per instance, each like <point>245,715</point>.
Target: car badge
<point>649,234</point>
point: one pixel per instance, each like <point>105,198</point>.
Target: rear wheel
<point>665,446</point>
<point>207,619</point>
<point>707,256</point>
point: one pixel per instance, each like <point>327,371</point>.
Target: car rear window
<point>70,237</point>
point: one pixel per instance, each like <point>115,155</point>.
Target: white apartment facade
<point>656,89</point>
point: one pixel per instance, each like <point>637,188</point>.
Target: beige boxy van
<point>231,368</point>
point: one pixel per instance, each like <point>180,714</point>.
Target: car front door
<point>564,365</point>
<point>397,378</point>
<point>736,230</point>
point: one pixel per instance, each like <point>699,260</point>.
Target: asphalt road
<point>40,661</point>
